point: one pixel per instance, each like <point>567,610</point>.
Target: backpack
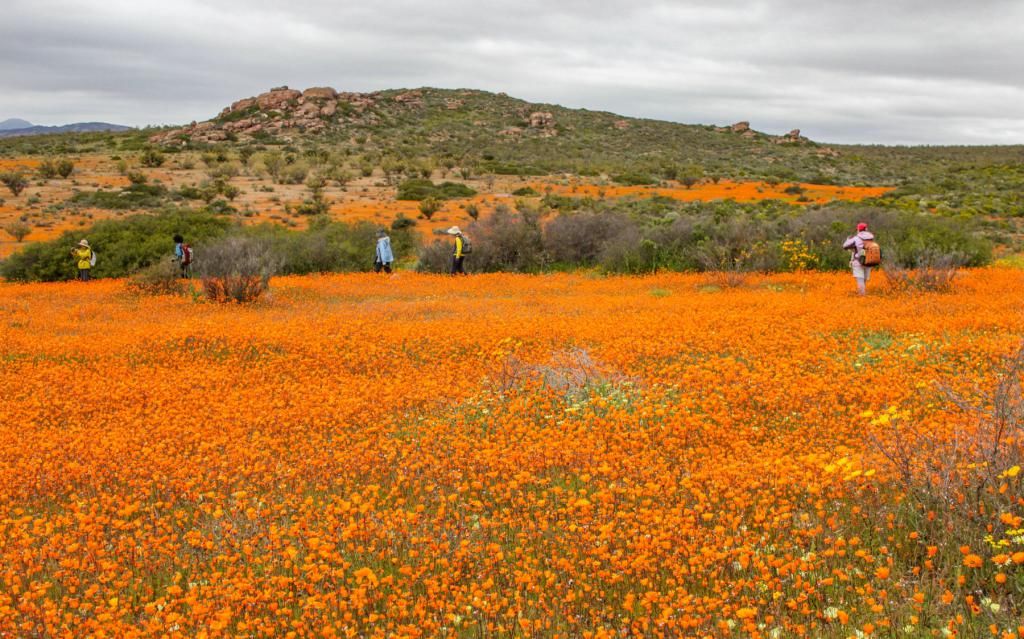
<point>467,247</point>
<point>872,255</point>
<point>186,254</point>
<point>92,257</point>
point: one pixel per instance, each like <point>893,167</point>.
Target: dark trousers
<point>382,266</point>
<point>457,265</point>
<point>83,274</point>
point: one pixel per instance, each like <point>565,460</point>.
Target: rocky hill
<point>502,133</point>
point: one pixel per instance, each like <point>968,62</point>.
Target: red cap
<point>863,226</point>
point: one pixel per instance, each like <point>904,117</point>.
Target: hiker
<point>384,256</point>
<point>85,257</point>
<point>183,256</point>
<point>864,254</point>
<point>461,249</point>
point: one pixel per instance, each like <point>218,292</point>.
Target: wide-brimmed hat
<point>454,231</point>
<point>84,243</point>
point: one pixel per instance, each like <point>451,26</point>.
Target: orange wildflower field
<point>500,456</point>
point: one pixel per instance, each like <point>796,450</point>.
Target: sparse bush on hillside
<point>151,158</point>
<point>65,168</point>
<point>47,169</point>
<point>18,230</point>
<point>429,206</point>
<point>15,181</point>
<point>421,189</point>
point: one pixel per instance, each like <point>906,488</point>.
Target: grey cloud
<point>894,72</point>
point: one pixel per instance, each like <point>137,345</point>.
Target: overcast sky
<point>892,72</point>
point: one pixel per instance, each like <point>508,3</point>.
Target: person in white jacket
<point>384,256</point>
<point>855,244</point>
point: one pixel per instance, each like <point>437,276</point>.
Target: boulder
<point>512,131</point>
<point>329,108</point>
<point>452,104</point>
<point>621,124</point>
<point>279,98</point>
<point>308,110</point>
<point>740,127</point>
<point>795,133</point>
<point>320,93</point>
<point>542,120</point>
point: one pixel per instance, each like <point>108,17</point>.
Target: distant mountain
<point>14,123</point>
<point>78,127</point>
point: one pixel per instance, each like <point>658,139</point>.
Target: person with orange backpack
<point>864,254</point>
<point>183,256</point>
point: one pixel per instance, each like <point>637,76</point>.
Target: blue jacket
<point>384,254</point>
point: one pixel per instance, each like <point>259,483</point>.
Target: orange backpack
<point>872,255</point>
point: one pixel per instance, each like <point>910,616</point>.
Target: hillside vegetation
<point>430,158</point>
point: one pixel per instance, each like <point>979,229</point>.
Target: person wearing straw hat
<point>84,256</point>
<point>460,250</point>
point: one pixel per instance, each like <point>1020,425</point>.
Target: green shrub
<point>635,179</point>
<point>151,158</point>
<point>124,246</point>
<point>134,197</point>
<point>421,189</point>
<point>525,191</point>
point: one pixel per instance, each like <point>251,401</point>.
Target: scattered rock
<point>512,131</point>
<point>544,122</point>
<point>410,98</point>
<point>621,124</point>
<point>452,104</point>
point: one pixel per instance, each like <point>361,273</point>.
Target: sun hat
<point>453,231</point>
<point>84,243</point>
<point>863,226</point>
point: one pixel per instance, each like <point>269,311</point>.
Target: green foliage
<point>134,197</point>
<point>635,179</point>
<point>525,191</point>
<point>123,246</point>
<point>422,189</point>
<point>329,246</point>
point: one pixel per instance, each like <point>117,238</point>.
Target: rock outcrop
<point>544,123</point>
<point>272,113</point>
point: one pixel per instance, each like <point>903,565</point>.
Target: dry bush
<point>956,481</point>
<point>162,278</point>
<point>238,269</point>
<point>933,272</point>
<point>569,371</point>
